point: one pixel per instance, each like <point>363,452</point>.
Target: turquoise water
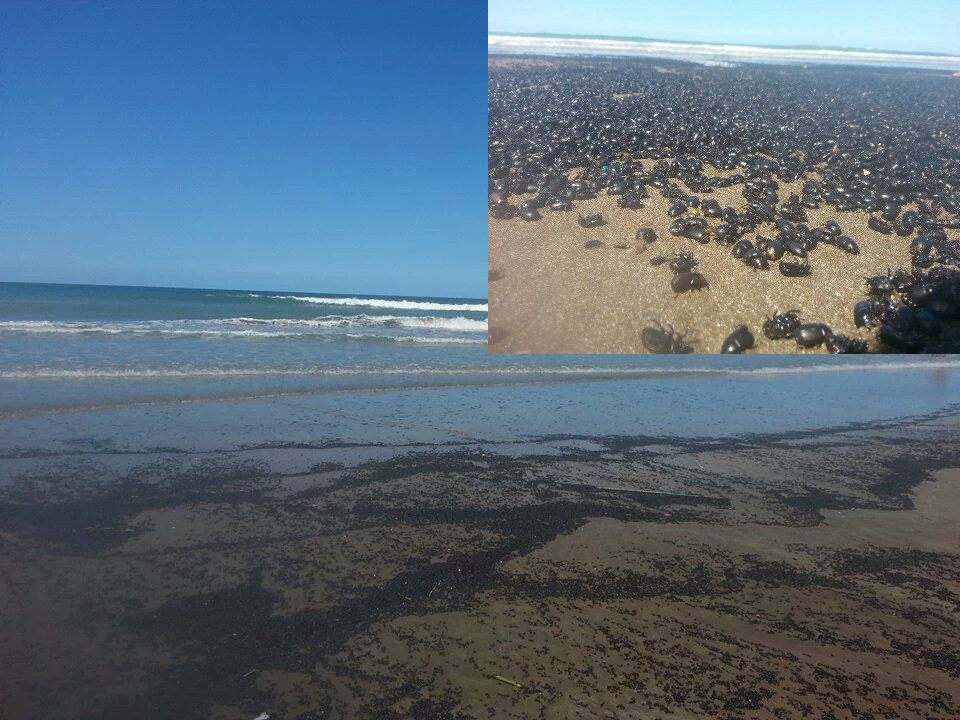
<point>411,362</point>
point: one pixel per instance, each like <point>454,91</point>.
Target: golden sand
<point>554,289</point>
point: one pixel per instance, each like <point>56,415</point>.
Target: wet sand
<point>803,573</point>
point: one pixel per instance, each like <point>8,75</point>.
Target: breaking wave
<point>251,327</point>
<point>380,303</point>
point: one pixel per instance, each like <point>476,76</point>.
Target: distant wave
<point>548,373</point>
<point>700,52</point>
<point>378,303</point>
<point>417,339</point>
<point>455,324</point>
<point>250,327</point>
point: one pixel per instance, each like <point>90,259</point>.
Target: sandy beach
<point>801,573</point>
<point>556,287</point>
<point>553,294</point>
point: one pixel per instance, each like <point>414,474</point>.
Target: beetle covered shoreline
<point>802,188</point>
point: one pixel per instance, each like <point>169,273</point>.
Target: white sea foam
<point>432,322</point>
<point>244,327</point>
<point>714,53</point>
<point>506,371</point>
<point>379,303</point>
<point>418,339</point>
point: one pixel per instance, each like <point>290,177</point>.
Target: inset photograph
<point>689,197</point>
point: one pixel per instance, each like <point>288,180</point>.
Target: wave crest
<point>249,327</point>
<point>378,303</point>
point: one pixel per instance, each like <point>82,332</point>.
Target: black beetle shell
<point>795,248</point>
<point>900,340</point>
<point>756,259</point>
<point>698,234</point>
<point>812,334</point>
<point>848,245</point>
<point>739,340</point>
<point>862,313</point>
<point>683,263</point>
<point>794,269</point>
<point>928,322</point>
<point>741,247</point>
<point>682,282</point>
<point>921,245</point>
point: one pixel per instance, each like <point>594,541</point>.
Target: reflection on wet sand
<point>813,572</point>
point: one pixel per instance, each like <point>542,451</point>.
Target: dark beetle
<point>904,318</point>
<point>682,282</point>
<point>661,341</point>
<point>529,213</point>
<point>773,249</point>
<point>591,221</point>
<point>646,234</point>
<point>889,211</point>
<point>782,325</point>
<point>807,241</point>
<point>684,262</point>
<point>900,339</point>
<point>923,292</point>
<point>812,334</point>
<point>862,313</point>
<point>848,245</point>
<point>711,208</point>
<point>725,233</point>
<point>880,225</point>
<point>698,234</point>
<point>842,345</point>
<point>921,245</point>
<point>795,248</point>
<point>928,322</point>
<point>741,248</point>
<point>903,281</point>
<point>881,284</point>
<point>832,227</point>
<point>739,340</point>
<point>902,229</point>
<point>794,269</point>
<point>756,259</point>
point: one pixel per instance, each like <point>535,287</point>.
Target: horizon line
<point>634,38</point>
<point>224,289</point>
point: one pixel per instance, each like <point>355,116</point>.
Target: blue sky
<point>917,25</point>
<point>279,145</point>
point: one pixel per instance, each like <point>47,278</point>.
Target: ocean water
<point>166,341</point>
<point>714,53</point>
<point>393,369</point>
